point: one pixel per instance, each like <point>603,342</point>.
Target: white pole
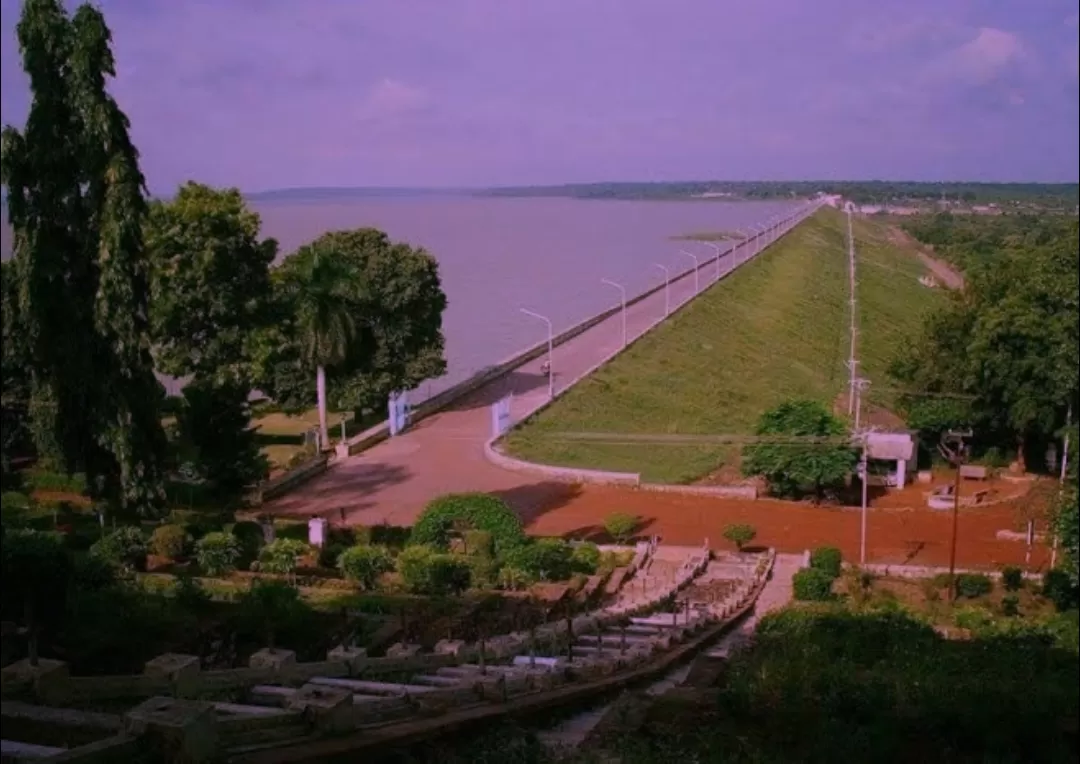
<point>697,283</point>
<point>622,302</point>
<point>862,523</point>
<point>717,250</point>
<point>1064,474</point>
<point>667,289</point>
<point>741,243</point>
<point>550,349</point>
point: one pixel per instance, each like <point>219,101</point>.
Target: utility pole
<point>864,476</point>
<point>953,448</point>
<point>861,384</point>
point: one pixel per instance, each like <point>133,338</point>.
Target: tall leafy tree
<point>15,391</point>
<point>211,295</point>
<point>1010,341</point>
<point>814,459</point>
<point>367,311</point>
<point>77,206</point>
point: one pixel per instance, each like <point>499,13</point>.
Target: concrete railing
<point>281,484</point>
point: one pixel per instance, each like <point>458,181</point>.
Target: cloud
<point>979,61</point>
<point>391,98</point>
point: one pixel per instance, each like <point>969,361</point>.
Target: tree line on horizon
<point>106,286</point>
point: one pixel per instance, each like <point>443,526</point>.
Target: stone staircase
<point>676,593</point>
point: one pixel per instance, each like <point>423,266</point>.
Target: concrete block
<point>182,670</point>
<point>175,731</point>
<point>329,709</point>
<point>353,657</point>
<point>272,658</point>
<point>455,647</point>
<point>48,682</point>
<point>403,650</point>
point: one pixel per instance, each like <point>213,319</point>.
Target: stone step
<point>539,662</point>
<point>271,694</point>
<point>362,687</point>
<point>18,750</point>
<point>265,737</point>
<point>241,709</point>
<point>437,681</point>
<point>615,639</point>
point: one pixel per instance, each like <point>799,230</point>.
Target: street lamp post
<point>622,303</point>
<point>551,347</point>
<point>667,289</point>
<point>697,282</point>
<point>715,248</point>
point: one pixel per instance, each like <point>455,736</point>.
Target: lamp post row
<point>771,230</point>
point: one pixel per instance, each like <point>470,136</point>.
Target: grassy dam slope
<point>774,330</point>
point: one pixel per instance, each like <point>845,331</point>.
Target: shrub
<point>282,556</point>
<point>125,548</point>
<point>544,559</point>
<point>457,513</point>
<point>478,542</point>
<point>973,585</point>
<point>330,553</point>
<point>1058,587</point>
<point>217,553</point>
<point>813,585</point>
<point>1010,605</point>
<point>249,539</point>
<point>827,559</point>
<point>585,558</point>
<point>364,564</point>
<point>514,579</point>
<point>740,534</point>
<point>361,534</point>
<point>426,570</point>
<point>1012,578</point>
<point>485,570</point>
<point>169,541</point>
<point>274,606</point>
<point>621,526</point>
<point>14,508</point>
<point>391,536</point>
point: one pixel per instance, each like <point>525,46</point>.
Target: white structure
<point>895,447</point>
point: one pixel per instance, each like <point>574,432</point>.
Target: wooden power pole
<point>954,449</point>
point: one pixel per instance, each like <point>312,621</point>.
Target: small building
<point>896,453</point>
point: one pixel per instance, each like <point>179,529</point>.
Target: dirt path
<point>943,272</point>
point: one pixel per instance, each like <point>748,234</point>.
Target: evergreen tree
<point>77,205</point>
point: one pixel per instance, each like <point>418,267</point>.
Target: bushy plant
<point>250,540</point>
<point>365,563</point>
<point>217,553</point>
<point>170,541</point>
<point>426,570</point>
<point>485,570</point>
<point>1010,605</point>
<point>740,534</point>
<point>546,559</point>
<point>272,604</point>
<point>1012,578</point>
<point>283,556</point>
<point>828,560</point>
<point>1058,587</point>
<point>585,558</point>
<point>125,548</point>
<point>457,513</point>
<point>813,585</point>
<point>973,585</point>
<point>514,579</point>
<point>621,526</point>
<point>478,542</point>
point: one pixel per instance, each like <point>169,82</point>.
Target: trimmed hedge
<point>813,585</point>
<point>828,560</point>
<point>460,512</point>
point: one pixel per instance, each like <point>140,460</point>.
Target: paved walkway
<point>392,481</point>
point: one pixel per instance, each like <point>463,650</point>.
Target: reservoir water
<point>498,255</point>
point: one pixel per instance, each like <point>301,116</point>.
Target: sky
<point>264,94</point>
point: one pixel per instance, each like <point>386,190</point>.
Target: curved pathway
<point>392,481</point>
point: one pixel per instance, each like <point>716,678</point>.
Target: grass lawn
<point>281,436</point>
<point>775,330</point>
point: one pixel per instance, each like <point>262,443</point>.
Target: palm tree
<point>323,289</point>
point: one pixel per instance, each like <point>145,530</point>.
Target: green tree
<point>77,207</point>
<point>740,534</point>
<point>816,458</point>
<point>16,376</point>
<point>1067,515</point>
<point>37,572</point>
<point>211,295</point>
<point>370,309</point>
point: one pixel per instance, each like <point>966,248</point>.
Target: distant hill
<point>332,194</point>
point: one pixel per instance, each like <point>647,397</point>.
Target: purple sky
<point>280,93</point>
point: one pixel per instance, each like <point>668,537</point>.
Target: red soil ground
<point>900,529</point>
